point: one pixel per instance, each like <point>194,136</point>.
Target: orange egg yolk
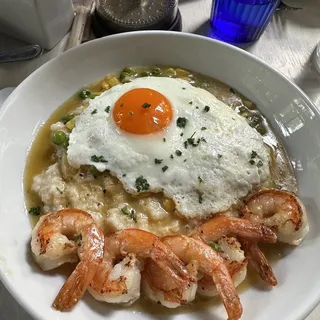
<point>142,111</point>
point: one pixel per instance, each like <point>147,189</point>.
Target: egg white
<point>205,179</point>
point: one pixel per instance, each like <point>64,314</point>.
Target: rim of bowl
<point>7,284</point>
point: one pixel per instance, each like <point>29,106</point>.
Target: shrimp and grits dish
<point>161,183</point>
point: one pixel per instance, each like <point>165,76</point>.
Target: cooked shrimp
<point>168,293</point>
<point>209,263</point>
<point>143,245</point>
<point>51,247</point>
<point>122,284</point>
<point>281,211</point>
<point>259,262</point>
<point>230,250</point>
<point>220,226</point>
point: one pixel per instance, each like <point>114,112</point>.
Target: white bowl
<point>292,115</point>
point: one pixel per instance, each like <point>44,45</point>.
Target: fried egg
<point>164,135</point>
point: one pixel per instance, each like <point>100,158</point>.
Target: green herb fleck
<point>164,139</point>
<point>181,134</point>
<point>215,246</point>
<point>185,160</point>
<point>200,179</point>
<point>124,175</point>
<point>95,158</point>
<point>259,164</point>
<point>77,238</point>
<point>171,156</point>
<point>253,154</point>
<point>34,211</point>
<point>183,88</point>
<point>94,111</point>
<point>107,109</point>
<point>178,153</point>
<point>182,122</point>
<point>252,162</point>
<point>197,107</point>
<point>190,102</point>
<point>186,144</point>
<point>131,113</point>
<point>206,109</point>
<point>232,91</point>
<point>131,213</point>
<point>219,155</point>
<point>142,184</point>
<point>165,168</point>
<point>200,197</point>
<point>158,161</point>
<point>203,128</point>
<point>146,105</point>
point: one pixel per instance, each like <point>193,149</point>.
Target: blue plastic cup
<point>241,21</point>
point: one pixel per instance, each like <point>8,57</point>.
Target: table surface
<point>288,44</point>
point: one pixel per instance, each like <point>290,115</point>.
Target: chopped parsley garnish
<point>253,154</point>
<point>200,197</point>
<point>171,156</point>
<point>34,211</point>
<point>131,213</point>
<point>219,155</point>
<point>197,107</point>
<point>202,139</point>
<point>203,128</point>
<point>182,122</point>
<point>158,161</point>
<point>77,238</point>
<point>165,168</point>
<point>232,91</point>
<point>183,88</point>
<point>215,246</point>
<point>121,105</point>
<point>191,140</point>
<point>206,109</point>
<point>124,175</point>
<point>131,113</point>
<point>181,134</point>
<point>94,111</point>
<point>252,162</point>
<point>186,144</point>
<point>146,105</point>
<point>259,164</point>
<point>164,139</point>
<point>190,102</point>
<point>142,184</point>
<point>107,109</point>
<point>178,153</point>
<point>95,158</point>
<point>185,160</point>
<point>200,179</point>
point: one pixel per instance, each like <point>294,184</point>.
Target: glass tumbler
<point>241,21</point>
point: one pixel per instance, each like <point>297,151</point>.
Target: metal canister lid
<point>115,16</point>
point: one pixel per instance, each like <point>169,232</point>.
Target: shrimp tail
<point>91,254</point>
<point>170,263</point>
<point>228,293</point>
<point>219,226</point>
<point>259,262</point>
<point>75,287</point>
